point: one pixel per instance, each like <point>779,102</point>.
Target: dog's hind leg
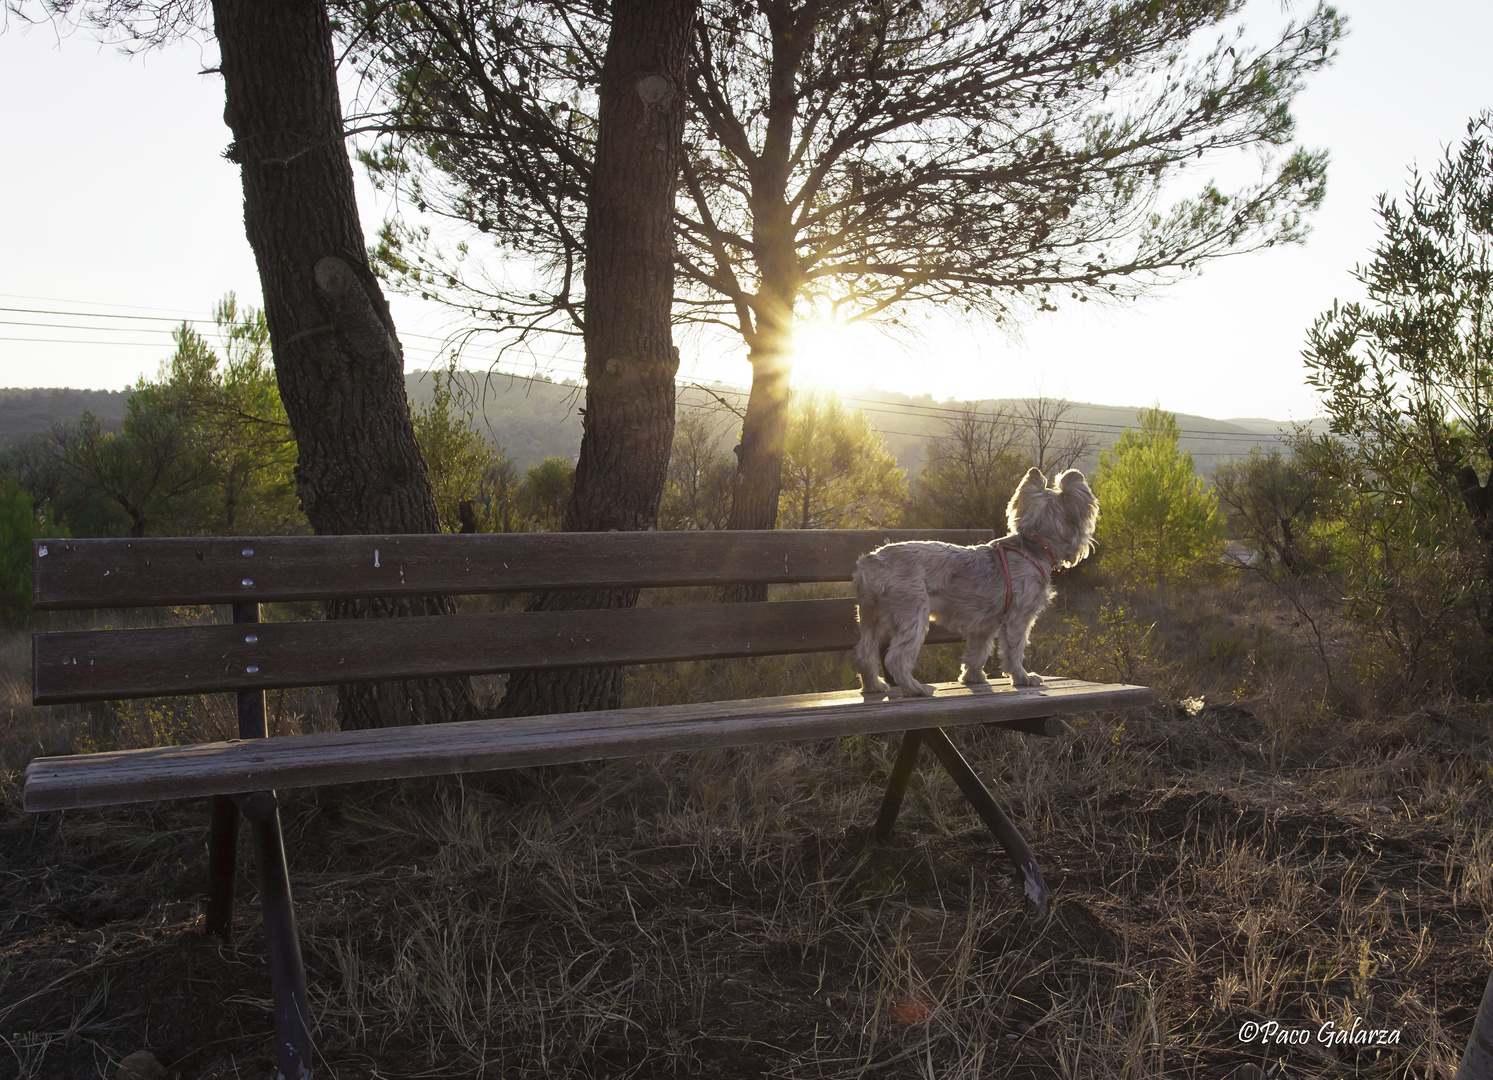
<point>867,656</point>
<point>977,649</point>
<point>909,628</point>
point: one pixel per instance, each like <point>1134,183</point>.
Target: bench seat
<point>340,757</point>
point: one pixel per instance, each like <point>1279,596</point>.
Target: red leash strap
<point>1047,572</point>
<point>1056,569</point>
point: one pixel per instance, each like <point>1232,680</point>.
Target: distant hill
<point>907,423</point>
<point>533,418</point>
<point>26,412</point>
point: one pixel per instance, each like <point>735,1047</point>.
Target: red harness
<point>1048,572</point>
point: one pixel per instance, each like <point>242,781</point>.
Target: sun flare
<point>834,356</point>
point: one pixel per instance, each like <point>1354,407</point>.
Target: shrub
<point>19,525</point>
<point>1158,519</point>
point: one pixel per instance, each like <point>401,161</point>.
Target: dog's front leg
<point>977,650</point>
<point>1013,652</point>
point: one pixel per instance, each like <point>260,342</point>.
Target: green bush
<point>1159,520</point>
<point>19,526</point>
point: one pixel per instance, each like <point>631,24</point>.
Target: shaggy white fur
<point>987,592</point>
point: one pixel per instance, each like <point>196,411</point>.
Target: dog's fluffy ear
<point>1032,489</point>
<point>1071,478</point>
<point>1080,512</point>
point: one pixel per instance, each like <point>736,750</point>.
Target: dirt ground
<point>727,914</point>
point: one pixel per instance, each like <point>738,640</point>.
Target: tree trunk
<point>1288,558</point>
<point>1477,1059</point>
<point>759,457</point>
<point>764,434</point>
<point>1478,499</point>
<point>628,422</point>
<point>337,360</point>
<point>759,465</point>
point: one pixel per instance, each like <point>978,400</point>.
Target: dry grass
<point>1251,856</point>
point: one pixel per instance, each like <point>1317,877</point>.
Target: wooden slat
<point>226,570</point>
<point>177,772</point>
<point>93,665</point>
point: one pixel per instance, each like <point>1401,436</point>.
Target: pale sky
<point>116,201</point>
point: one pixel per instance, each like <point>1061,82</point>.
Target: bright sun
<point>859,356</point>
<point>837,357</point>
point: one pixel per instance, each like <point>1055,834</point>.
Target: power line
<point>935,412</point>
<point>88,315</point>
<point>570,366</point>
<point>403,334</point>
<point>81,341</point>
<point>75,326</point>
<point>90,303</point>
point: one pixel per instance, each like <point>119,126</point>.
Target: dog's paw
<point>1025,678</point>
<point>917,689</point>
<point>973,678</point>
<point>873,686</point>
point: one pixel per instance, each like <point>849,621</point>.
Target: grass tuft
<point>1273,841</point>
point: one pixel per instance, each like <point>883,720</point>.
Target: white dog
<point>997,588</point>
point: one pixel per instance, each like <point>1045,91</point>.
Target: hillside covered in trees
<point>533,418</point>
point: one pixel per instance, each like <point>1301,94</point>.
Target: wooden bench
<point>248,657</point>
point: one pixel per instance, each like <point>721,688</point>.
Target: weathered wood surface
<point>176,772</point>
<point>227,570</point>
<point>95,665</point>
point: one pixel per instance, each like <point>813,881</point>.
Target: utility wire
<point>90,315</point>
<point>570,366</point>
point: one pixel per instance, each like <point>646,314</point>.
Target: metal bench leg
<point>287,974</point>
<point>222,836</point>
<point>222,863</point>
<point>896,785</point>
<point>985,805</point>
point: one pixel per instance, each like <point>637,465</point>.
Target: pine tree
<point>837,471</point>
<point>1158,519</point>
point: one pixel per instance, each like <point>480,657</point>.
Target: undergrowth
<point>1274,841</point>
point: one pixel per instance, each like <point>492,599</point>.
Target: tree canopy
<point>979,457</point>
<point>1406,377</point>
<point>1272,501</point>
<point>972,468</point>
<point>461,461</point>
<point>205,448</point>
<point>698,495</point>
<point>837,471</point>
<point>988,156</point>
<point>1158,519</point>
<point>848,159</point>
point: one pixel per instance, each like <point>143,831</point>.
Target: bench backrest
<point>107,664</point>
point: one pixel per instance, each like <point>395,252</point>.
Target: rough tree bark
<point>630,356</point>
<point>1477,497</point>
<point>1477,1059</point>
<point>337,360</point>
<point>764,430</point>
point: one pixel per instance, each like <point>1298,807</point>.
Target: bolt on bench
<point>248,657</point>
